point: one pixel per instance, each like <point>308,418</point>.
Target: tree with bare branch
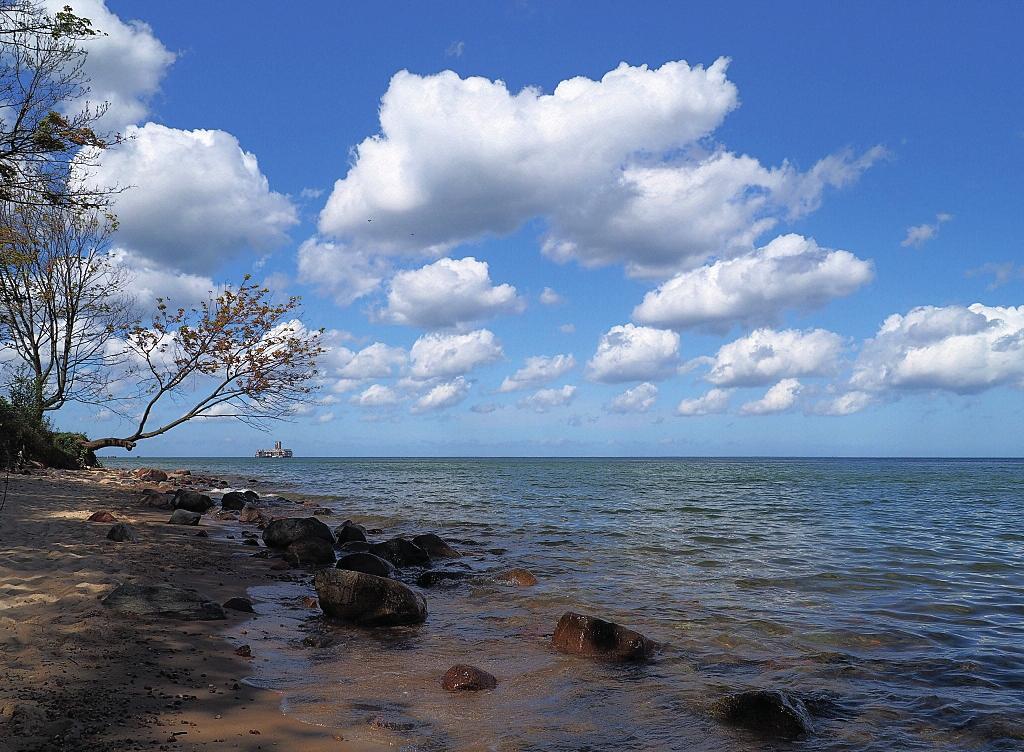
<point>63,303</point>
<point>48,136</point>
<point>240,356</point>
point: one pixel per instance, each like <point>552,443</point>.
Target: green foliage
<point>23,431</point>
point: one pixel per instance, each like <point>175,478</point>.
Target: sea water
<point>889,592</point>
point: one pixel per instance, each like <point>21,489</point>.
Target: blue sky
<point>724,241</point>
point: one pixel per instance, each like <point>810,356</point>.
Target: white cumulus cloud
<point>538,369</point>
<point>549,297</point>
<point>446,293</point>
<point>767,355</point>
<point>124,63</point>
<point>638,399</point>
<point>377,361</point>
<point>779,398</point>
<point>790,272</point>
<point>338,271</point>
<point>377,395</point>
<point>446,394</point>
<point>545,399</point>
<point>439,355</point>
<point>713,402</point>
<point>918,235</point>
<point>634,353</point>
<point>619,168</point>
<point>954,348</point>
<point>193,198</point>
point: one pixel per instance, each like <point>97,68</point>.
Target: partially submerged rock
<point>164,601</point>
<point>184,517</point>
<point>122,533</point>
<point>436,546</point>
<point>234,500</point>
<point>518,577</point>
<point>368,600</point>
<point>349,531</point>
<point>591,637</point>
<point>401,552</point>
<point>354,547</point>
<point>769,713</point>
<point>102,517</point>
<point>463,678</point>
<point>366,563</point>
<point>436,577</point>
<point>193,501</point>
<point>283,532</point>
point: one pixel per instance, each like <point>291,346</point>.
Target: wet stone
<point>769,713</point>
<point>591,637</point>
<point>464,678</point>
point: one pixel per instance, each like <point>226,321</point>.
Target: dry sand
<point>75,675</point>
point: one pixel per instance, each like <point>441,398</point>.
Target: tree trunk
<point>109,442</point>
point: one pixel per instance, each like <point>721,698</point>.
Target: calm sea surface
<point>889,591</point>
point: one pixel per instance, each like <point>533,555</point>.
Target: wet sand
<point>75,675</point>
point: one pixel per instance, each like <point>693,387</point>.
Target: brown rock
<point>591,637</point>
<point>517,576</point>
<point>310,602</point>
<point>150,475</point>
<point>463,678</point>
<point>102,517</point>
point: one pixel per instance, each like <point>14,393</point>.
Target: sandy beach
<point>77,675</point>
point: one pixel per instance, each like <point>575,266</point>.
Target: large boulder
<point>367,563</point>
<point>591,637</point>
<point>309,552</point>
<point>251,495</point>
<point>184,517</point>
<point>233,500</point>
<point>348,532</point>
<point>435,546</point>
<point>368,600</point>
<point>193,501</point>
<point>769,713</point>
<point>164,601</point>
<point>283,532</point>
<point>122,534</point>
<point>401,552</point>
<point>463,678</point>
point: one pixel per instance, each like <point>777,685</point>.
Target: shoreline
<point>77,675</point>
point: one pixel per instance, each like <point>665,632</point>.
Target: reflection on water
<point>891,592</point>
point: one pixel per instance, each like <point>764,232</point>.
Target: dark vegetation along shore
<point>119,584</point>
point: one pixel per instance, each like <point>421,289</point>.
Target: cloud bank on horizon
<point>449,237</point>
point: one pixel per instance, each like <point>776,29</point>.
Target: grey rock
<point>164,601</point>
<point>367,563</point>
<point>283,532</point>
<point>436,546</point>
<point>239,604</point>
<point>193,501</point>
<point>234,500</point>
<point>401,552</point>
<point>184,517</point>
<point>769,713</point>
<point>367,600</point>
<point>122,533</point>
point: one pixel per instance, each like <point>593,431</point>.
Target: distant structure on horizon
<point>277,451</point>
